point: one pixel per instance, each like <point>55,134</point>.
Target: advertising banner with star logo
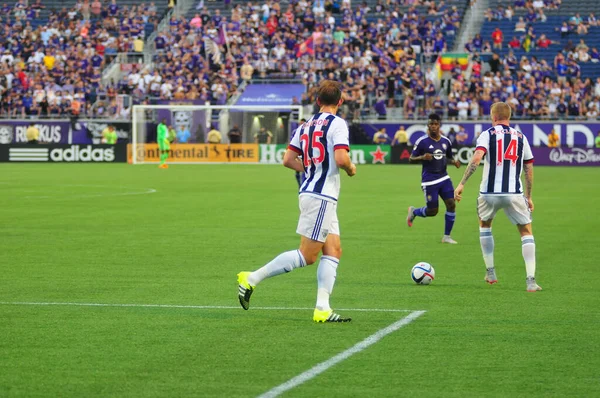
<point>360,154</point>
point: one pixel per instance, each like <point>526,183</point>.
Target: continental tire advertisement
<point>197,153</point>
<point>63,153</point>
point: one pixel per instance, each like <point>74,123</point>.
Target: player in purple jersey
<point>435,151</point>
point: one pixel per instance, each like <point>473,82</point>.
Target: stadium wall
<point>254,153</point>
<point>581,134</point>
<point>400,154</point>
<point>63,131</point>
<point>88,131</point>
<point>78,141</point>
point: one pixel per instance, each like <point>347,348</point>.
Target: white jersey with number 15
<point>316,141</point>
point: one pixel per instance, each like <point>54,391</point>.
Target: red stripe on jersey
<point>341,146</point>
<point>529,161</point>
<point>480,148</point>
<point>293,148</point>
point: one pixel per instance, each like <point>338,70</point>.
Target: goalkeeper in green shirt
<point>162,138</point>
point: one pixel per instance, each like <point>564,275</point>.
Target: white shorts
<point>515,207</point>
<point>318,218</point>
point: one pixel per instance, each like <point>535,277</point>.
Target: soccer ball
<point>422,273</point>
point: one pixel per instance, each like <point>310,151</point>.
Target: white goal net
<point>241,128</point>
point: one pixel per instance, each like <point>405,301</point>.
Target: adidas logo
<point>74,153</point>
<point>28,155</point>
<point>77,153</point>
<point>430,146</point>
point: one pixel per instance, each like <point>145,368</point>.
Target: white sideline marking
<point>143,191</point>
<point>199,307</point>
<point>323,366</point>
<point>295,381</point>
<point>147,191</point>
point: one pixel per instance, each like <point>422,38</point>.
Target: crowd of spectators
<point>536,87</point>
<point>55,68</point>
<point>530,87</point>
<point>375,52</point>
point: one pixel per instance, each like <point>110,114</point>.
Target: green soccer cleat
<point>328,316</point>
<point>245,289</point>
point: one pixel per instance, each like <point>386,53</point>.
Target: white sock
<point>528,250</point>
<point>487,246</point>
<point>285,262</point>
<point>326,272</point>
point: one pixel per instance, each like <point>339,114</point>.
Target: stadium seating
<point>217,80</point>
<point>81,74</point>
<point>548,28</point>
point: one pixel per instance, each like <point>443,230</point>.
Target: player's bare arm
<point>343,161</point>
<point>471,168</point>
<point>427,156</point>
<point>291,161</point>
<point>528,171</point>
<point>456,163</point>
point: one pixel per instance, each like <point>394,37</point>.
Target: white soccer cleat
<point>532,286</point>
<point>490,276</point>
<point>448,239</point>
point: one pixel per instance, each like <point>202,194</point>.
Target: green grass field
<point>99,234</point>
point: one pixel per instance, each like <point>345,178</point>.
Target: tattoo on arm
<point>528,168</point>
<point>471,168</point>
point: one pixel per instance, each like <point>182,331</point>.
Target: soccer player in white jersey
<point>322,144</point>
<point>507,154</point>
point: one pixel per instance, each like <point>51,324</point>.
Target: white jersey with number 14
<point>506,150</point>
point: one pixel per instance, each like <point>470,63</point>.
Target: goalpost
<point>198,120</point>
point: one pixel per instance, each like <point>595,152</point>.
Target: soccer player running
<point>435,151</point>
<point>508,154</point>
<point>323,144</point>
<point>162,138</point>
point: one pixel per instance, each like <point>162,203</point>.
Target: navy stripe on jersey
<point>506,163</point>
<point>325,164</point>
<point>492,159</point>
<point>319,221</point>
<point>313,167</point>
<point>519,164</point>
<point>320,195</point>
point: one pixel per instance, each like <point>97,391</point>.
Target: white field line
<point>323,366</point>
<point>147,191</point>
<point>143,191</point>
<point>198,307</point>
<point>295,381</point>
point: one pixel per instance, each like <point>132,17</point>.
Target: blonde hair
<point>500,111</point>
